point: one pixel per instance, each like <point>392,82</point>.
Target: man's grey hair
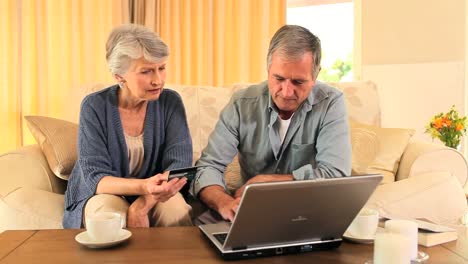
<point>292,41</point>
<point>130,42</point>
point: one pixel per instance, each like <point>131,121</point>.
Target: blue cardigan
<point>102,149</point>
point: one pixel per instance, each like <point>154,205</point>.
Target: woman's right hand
<point>161,189</point>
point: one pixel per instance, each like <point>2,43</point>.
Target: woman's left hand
<point>137,214</point>
<point>137,218</point>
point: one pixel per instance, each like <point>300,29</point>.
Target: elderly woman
<point>130,136</point>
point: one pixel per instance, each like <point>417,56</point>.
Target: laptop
<point>279,218</point>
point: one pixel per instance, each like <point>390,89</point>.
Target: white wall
<point>415,52</point>
<point>410,94</point>
<point>415,31</point>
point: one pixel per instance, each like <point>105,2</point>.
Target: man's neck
<point>285,115</point>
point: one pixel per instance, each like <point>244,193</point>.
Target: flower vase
<point>452,143</point>
<point>457,147</point>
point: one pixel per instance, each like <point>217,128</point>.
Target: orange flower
<point>438,123</point>
<point>447,122</point>
<point>459,127</point>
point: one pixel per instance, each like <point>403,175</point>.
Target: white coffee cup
<point>103,226</point>
<point>364,224</point>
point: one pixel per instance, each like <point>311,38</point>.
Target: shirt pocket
<point>303,154</point>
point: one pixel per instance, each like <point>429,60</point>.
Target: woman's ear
<point>119,78</point>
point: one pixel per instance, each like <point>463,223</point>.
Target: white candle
<point>391,249</point>
<point>407,228</point>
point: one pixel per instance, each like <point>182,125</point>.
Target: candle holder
<point>421,258</point>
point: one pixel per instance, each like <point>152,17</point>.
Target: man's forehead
<point>281,55</point>
<point>292,68</point>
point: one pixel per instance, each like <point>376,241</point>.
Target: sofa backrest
<point>204,103</point>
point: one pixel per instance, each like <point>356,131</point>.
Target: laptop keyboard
<point>221,237</point>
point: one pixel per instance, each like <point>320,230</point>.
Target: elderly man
<point>288,128</point>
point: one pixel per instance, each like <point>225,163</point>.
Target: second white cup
<point>364,224</point>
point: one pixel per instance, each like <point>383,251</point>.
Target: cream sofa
<point>421,179</point>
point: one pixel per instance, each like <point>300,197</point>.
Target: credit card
<point>188,173</point>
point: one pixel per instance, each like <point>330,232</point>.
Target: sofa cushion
<point>378,150</point>
<point>58,141</point>
<point>211,102</point>
<point>362,101</point>
<point>189,96</point>
<point>232,176</point>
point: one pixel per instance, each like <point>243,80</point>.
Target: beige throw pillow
<point>232,176</point>
<point>58,140</point>
<point>378,150</point>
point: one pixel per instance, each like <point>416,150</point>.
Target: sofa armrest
<point>29,208</point>
<point>421,157</point>
<point>420,197</point>
<point>27,167</point>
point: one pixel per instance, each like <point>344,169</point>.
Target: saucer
<point>84,239</point>
<point>362,240</point>
<point>421,258</point>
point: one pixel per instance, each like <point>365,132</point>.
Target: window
<point>333,22</point>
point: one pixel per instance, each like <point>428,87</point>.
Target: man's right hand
<point>229,209</point>
<point>216,198</point>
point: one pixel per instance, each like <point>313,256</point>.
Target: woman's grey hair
<point>130,42</point>
<point>292,42</point>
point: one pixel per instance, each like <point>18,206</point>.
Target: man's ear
<point>317,72</point>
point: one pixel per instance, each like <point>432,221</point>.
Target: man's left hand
<point>263,178</point>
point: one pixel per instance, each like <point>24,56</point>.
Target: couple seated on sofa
<point>132,134</point>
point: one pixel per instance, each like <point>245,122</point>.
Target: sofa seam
<point>14,190</point>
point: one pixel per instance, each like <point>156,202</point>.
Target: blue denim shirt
<point>317,143</point>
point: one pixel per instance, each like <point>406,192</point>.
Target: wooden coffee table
<point>178,245</point>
